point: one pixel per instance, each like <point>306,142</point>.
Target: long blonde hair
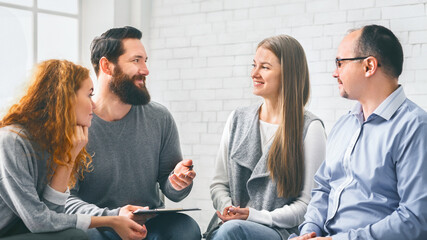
<point>46,111</point>
<point>286,155</point>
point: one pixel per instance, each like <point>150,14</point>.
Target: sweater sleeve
<point>292,215</point>
<point>220,191</point>
<point>18,181</point>
<point>170,155</point>
<point>75,205</point>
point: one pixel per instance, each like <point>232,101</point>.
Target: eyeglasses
<point>339,60</point>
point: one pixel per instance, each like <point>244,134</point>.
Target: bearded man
<point>134,143</point>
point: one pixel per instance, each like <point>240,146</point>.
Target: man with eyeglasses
<point>372,184</point>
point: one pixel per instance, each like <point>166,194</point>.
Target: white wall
<point>100,15</point>
<point>200,53</point>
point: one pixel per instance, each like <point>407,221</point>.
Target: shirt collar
<point>387,108</point>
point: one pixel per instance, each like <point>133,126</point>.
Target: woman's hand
<point>79,141</point>
<point>61,176</point>
<point>231,213</point>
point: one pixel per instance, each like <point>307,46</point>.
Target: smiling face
<point>266,74</point>
<point>84,105</point>
<point>128,81</point>
<point>349,74</point>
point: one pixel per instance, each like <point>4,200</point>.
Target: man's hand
<point>128,229</point>
<point>231,213</point>
<point>127,211</point>
<point>183,175</point>
<point>310,236</point>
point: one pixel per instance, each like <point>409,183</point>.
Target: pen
<point>190,167</point>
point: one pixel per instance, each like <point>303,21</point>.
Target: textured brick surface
<point>201,52</point>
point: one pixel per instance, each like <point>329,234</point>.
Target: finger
<point>237,210</point>
<point>79,130</point>
<point>185,179</point>
<point>307,236</point>
<point>226,210</point>
<point>86,132</point>
<point>132,207</point>
<point>179,179</point>
<point>173,179</point>
<point>191,174</point>
<point>138,228</point>
<point>187,162</point>
<point>222,217</point>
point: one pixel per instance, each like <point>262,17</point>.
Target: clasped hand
<point>231,213</point>
<point>183,175</point>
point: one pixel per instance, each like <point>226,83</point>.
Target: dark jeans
<point>20,232</point>
<point>170,226</point>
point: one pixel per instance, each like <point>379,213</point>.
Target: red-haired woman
<point>42,152</point>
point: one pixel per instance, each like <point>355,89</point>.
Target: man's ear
<point>370,66</point>
<point>106,66</point>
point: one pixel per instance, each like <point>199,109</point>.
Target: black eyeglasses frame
<point>337,60</point>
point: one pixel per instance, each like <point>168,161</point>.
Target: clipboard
<point>164,210</point>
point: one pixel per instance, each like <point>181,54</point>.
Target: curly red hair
<point>46,112</point>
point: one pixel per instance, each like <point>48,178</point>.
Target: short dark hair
<point>109,45</point>
<point>381,43</point>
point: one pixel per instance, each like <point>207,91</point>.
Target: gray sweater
<point>24,193</point>
<point>132,157</point>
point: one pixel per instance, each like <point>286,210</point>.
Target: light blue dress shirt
<point>373,183</point>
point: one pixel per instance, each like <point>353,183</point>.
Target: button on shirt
<point>373,183</point>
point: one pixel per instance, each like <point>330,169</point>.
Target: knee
<point>189,228</point>
<point>173,226</point>
<point>230,230</point>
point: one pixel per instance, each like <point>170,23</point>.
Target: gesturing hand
<point>183,175</point>
<point>231,213</point>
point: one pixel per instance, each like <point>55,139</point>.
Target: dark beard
<point>124,87</point>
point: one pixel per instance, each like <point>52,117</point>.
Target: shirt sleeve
<point>18,188</point>
<point>220,188</point>
<point>292,215</point>
<point>317,208</point>
<point>409,220</point>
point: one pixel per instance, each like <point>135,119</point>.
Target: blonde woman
<point>270,151</point>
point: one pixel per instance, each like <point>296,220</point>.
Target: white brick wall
<point>200,55</point>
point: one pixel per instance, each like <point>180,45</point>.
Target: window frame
<point>36,11</point>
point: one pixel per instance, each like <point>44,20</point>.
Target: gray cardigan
<point>249,179</point>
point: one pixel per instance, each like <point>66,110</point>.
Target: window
<point>32,31</point>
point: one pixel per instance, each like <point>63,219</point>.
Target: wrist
<point>104,221</point>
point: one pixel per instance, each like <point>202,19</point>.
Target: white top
<point>289,215</point>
